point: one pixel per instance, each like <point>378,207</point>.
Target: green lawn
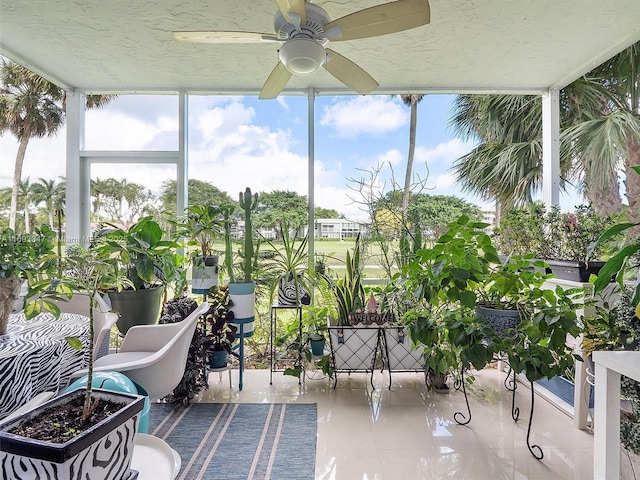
<point>335,252</point>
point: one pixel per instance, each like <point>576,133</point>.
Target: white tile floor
<point>409,433</point>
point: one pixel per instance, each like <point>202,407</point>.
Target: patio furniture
<point>103,319</point>
<point>35,356</point>
<point>606,445</point>
<point>153,356</point>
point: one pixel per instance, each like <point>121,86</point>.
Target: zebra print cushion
<point>287,295</point>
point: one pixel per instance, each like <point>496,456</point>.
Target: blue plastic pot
<point>218,359</point>
<point>317,347</point>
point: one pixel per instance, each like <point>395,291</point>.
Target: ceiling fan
<point>305,29</point>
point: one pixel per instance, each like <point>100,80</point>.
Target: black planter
<point>109,445</point>
<point>574,271</point>
<point>136,307</point>
<point>500,321</point>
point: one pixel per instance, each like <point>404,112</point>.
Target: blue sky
<point>236,142</point>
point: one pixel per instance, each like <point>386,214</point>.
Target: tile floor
<point>408,433</point>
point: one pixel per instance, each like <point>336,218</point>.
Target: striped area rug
<point>238,441</point>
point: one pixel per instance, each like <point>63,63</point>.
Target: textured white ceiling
<point>470,45</point>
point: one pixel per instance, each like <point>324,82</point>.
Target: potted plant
<point>462,272</point>
<point>623,268</point>
<point>20,257</point>
<point>242,289</point>
<point>287,264</point>
<point>560,238</point>
<point>150,261</point>
<point>219,331</point>
<point>315,320</point>
<point>353,343</point>
<point>442,282</point>
<point>84,423</point>
<point>202,224</point>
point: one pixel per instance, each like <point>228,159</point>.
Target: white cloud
<point>367,115</point>
<point>443,153</point>
<point>283,103</point>
<point>109,130</point>
<point>233,153</point>
<point>391,157</point>
<point>45,157</point>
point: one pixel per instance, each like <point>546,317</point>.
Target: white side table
<point>606,445</point>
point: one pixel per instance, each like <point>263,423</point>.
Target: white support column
<point>311,176</point>
<point>551,148</point>
<point>78,226</point>
<point>182,173</point>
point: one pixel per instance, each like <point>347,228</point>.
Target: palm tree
<point>412,102</point>
<point>99,189</point>
<point>31,107</point>
<point>612,139</point>
<point>46,191</point>
<point>598,119</point>
<point>506,165</point>
<point>25,197</point>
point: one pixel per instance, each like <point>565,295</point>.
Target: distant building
<point>331,228</point>
<point>489,216</point>
<point>338,228</point>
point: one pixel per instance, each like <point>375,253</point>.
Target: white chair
<point>103,319</point>
<point>154,356</point>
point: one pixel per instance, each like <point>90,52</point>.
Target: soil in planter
<point>60,423</point>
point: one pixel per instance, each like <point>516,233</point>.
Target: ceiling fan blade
<point>380,20</point>
<point>277,80</point>
<point>349,73</point>
<point>293,6</point>
<point>213,36</point>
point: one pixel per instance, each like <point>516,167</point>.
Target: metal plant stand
<point>273,327</point>
<point>511,385</point>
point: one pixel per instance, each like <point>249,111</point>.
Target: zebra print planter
<point>103,452</point>
<point>291,291</point>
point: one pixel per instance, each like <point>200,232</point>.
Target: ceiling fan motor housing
<point>302,56</point>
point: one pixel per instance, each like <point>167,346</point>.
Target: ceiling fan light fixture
<point>302,56</point>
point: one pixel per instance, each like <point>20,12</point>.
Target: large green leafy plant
<point>461,271</point>
<point>145,252</point>
<point>442,280</point>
